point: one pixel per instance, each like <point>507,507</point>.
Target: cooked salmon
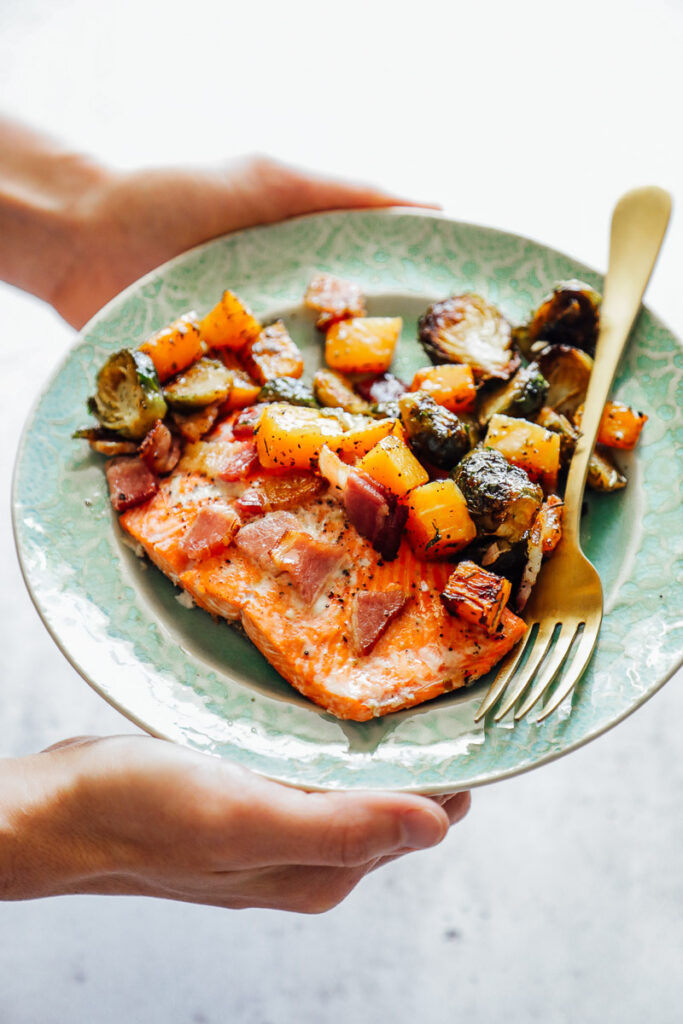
<point>297,577</point>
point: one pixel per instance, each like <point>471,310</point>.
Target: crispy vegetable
<point>559,424</point>
<point>436,435</point>
<point>524,444</point>
<point>229,324</point>
<point>128,398</point>
<point>620,426</point>
<point>205,382</point>
<point>567,371</point>
<point>106,442</point>
<point>523,395</point>
<point>333,390</point>
<point>272,354</point>
<point>476,595</point>
<point>362,344</point>
<point>570,315</point>
<point>192,426</point>
<point>175,347</point>
<point>288,389</point>
<point>439,524</point>
<point>603,474</point>
<point>544,536</point>
<point>334,299</point>
<point>244,390</point>
<point>501,498</point>
<point>451,385</point>
<point>467,329</point>
<point>391,463</point>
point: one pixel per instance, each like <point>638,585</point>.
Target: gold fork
<point>564,611</point>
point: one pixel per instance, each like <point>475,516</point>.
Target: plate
<point>179,674</point>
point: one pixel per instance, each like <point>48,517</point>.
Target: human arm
<point>140,816</point>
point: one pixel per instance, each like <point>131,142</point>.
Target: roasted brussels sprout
<point>129,399</point>
<point>500,497</point>
<point>467,329</point>
<point>559,424</point>
<point>603,473</point>
<point>287,389</point>
<point>333,390</point>
<point>567,371</point>
<point>570,315</point>
<point>105,442</point>
<point>521,396</point>
<point>205,382</point>
<point>436,435</point>
<point>500,556</point>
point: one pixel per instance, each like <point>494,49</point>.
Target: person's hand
<point>135,815</point>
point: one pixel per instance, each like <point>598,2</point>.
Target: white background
<point>560,897</point>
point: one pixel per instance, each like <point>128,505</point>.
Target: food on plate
<point>371,536</point>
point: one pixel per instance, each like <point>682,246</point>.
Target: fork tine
<point>550,669</point>
<point>579,663</point>
<point>541,643</point>
<point>505,671</point>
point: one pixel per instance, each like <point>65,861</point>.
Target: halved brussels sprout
<point>603,473</point>
<point>567,371</point>
<point>105,442</point>
<point>570,315</point>
<point>500,497</point>
<point>467,329</point>
<point>435,434</point>
<point>333,390</point>
<point>205,382</point>
<point>559,424</point>
<point>288,389</point>
<point>521,396</point>
<point>129,399</point>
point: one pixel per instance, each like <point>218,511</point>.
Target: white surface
<point>560,897</point>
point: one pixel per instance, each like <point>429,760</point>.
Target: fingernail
<point>422,829</point>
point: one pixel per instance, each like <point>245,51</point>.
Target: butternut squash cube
<point>476,595</point>
<point>229,324</point>
<point>244,390</point>
<point>291,436</point>
<point>272,354</point>
<point>451,385</point>
<point>438,524</point>
<point>527,445</point>
<point>175,347</point>
<point>357,441</point>
<point>392,463</point>
<point>362,344</point>
<point>620,426</point>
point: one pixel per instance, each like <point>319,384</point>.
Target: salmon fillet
<point>423,651</point>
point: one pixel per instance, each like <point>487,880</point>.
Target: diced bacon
<point>160,450</point>
<point>246,422</point>
<point>241,459</point>
<point>257,539</point>
<point>372,612</point>
<point>375,512</point>
<point>383,388</point>
<point>334,298</point>
<point>308,561</point>
<point>211,532</point>
<point>130,482</point>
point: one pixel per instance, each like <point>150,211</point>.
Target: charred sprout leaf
<point>205,382</point>
<point>570,315</point>
<point>567,371</point>
<point>603,473</point>
<point>333,390</point>
<point>288,389</point>
<point>467,329</point>
<point>500,556</point>
<point>521,396</point>
<point>129,399</point>
<point>436,435</point>
<point>559,424</point>
<point>106,442</point>
<point>500,497</point>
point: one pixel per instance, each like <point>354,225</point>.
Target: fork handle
<point>639,224</point>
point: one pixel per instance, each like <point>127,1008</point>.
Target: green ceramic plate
<point>181,675</point>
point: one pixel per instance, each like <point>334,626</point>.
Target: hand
<point>141,816</point>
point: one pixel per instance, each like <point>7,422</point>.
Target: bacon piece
<point>211,532</point>
<point>372,612</point>
<point>309,562</point>
<point>375,512</point>
<point>240,460</point>
<point>130,482</point>
<point>384,388</point>
<point>334,299</point>
<point>246,422</point>
<point>257,539</point>
<point>160,450</point>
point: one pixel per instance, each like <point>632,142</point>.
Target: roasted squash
<point>451,385</point>
<point>272,354</point>
<point>620,426</point>
<point>392,464</point>
<point>175,347</point>
<point>527,445</point>
<point>362,344</point>
<point>476,595</point>
<point>229,324</point>
<point>438,524</point>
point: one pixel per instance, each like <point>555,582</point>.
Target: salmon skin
<point>309,636</point>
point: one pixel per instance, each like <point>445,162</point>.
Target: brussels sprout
<point>603,473</point>
<point>288,389</point>
<point>500,556</point>
<point>205,382</point>
<point>467,329</point>
<point>500,497</point>
<point>559,424</point>
<point>128,399</point>
<point>521,396</point>
<point>570,315</point>
<point>104,442</point>
<point>333,390</point>
<point>436,435</point>
<point>567,371</point>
